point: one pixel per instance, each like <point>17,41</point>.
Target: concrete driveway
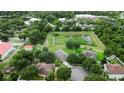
<point>78,74</point>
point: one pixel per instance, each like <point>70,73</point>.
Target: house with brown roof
<point>44,68</point>
<point>28,47</point>
<point>115,71</point>
<point>90,54</point>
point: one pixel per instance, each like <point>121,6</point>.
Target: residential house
<point>61,55</point>
<point>28,47</point>
<point>44,68</point>
<point>90,54</point>
<point>5,49</point>
<point>115,71</point>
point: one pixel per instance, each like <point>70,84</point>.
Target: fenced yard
<point>58,40</point>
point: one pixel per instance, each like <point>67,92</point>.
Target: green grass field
<point>56,42</point>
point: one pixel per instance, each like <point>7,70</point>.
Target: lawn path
<point>54,40</point>
<point>46,43</point>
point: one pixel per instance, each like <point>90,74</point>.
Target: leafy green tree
<point>50,76</point>
<point>29,73</point>
<point>19,64</point>
<point>46,56</point>
<point>65,28</point>
<point>58,23</point>
<point>1,76</point>
<point>96,69</point>
<point>74,59</point>
<point>24,54</point>
<point>64,73</point>
<point>37,36</point>
<point>22,59</point>
<point>14,76</point>
<point>37,52</point>
<point>72,44</point>
<point>22,36</point>
<point>87,63</point>
<point>76,28</point>
<point>4,37</point>
<point>45,49</point>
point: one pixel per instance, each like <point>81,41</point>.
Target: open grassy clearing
<point>100,46</point>
<point>57,40</point>
<point>3,65</point>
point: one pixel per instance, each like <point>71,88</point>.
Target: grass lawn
<point>99,45</point>
<point>100,56</point>
<point>39,46</point>
<point>3,65</point>
<point>56,42</point>
<point>115,61</point>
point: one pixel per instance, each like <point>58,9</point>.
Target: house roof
<point>90,53</point>
<point>114,69</point>
<point>45,68</point>
<point>28,46</point>
<point>4,47</point>
<point>61,55</point>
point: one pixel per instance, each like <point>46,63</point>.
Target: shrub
<point>50,76</point>
<point>71,43</point>
<point>14,76</point>
<point>29,73</point>
<point>1,76</point>
<point>63,73</point>
<point>74,59</point>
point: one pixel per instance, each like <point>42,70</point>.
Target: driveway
<point>78,74</point>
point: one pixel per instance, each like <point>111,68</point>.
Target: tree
<point>4,37</point>
<point>22,36</point>
<point>19,64</point>
<point>74,59</point>
<point>37,36</point>
<point>50,76</point>
<point>96,69</point>
<point>1,76</point>
<point>72,44</point>
<point>87,63</point>
<point>14,76</point>
<point>65,28</point>
<point>63,73</point>
<point>24,54</point>
<point>37,52</point>
<point>29,73</point>
<point>22,59</point>
<point>95,77</point>
<point>45,49</point>
<point>76,28</point>
<point>46,56</point>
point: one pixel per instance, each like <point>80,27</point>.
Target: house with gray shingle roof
<point>61,55</point>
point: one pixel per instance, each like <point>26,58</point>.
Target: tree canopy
<point>63,73</point>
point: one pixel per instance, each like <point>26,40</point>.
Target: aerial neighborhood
<point>61,46</point>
